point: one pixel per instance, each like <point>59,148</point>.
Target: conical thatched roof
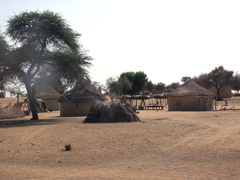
<point>108,112</point>
<point>83,92</point>
<point>191,88</point>
<point>44,91</point>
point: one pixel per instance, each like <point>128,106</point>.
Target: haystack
<point>78,101</point>
<point>48,94</point>
<point>107,112</point>
<point>190,97</point>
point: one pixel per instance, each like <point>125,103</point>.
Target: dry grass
<point>164,145</point>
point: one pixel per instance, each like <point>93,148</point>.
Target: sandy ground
<point>163,146</point>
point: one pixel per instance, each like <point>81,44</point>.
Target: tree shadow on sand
<point>24,123</point>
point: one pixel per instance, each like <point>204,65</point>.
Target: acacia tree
<point>219,77</point>
<point>44,43</point>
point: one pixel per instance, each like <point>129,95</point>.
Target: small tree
<point>125,86</point>
<point>44,42</point>
<point>137,82</point>
<point>219,77</point>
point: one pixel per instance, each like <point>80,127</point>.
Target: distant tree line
<point>218,78</point>
<point>134,82</point>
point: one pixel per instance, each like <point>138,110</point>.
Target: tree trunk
<point>33,105</point>
<point>219,94</point>
<point>32,99</point>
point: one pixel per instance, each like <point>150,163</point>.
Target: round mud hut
<point>190,97</point>
<point>48,94</point>
<point>110,112</point>
<point>78,101</point>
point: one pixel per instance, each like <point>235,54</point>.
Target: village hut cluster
<point>85,100</point>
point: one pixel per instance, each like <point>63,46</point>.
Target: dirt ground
<point>163,146</point>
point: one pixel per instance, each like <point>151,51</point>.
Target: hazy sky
<point>167,39</point>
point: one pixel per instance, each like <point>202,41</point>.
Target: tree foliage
<point>218,77</point>
<point>173,85</point>
<point>149,86</point>
<point>160,87</point>
<point>6,74</point>
<point>3,58</point>
<point>128,83</point>
<point>45,45</point>
<point>203,80</point>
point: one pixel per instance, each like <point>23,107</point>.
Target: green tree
<point>44,42</point>
<point>7,75</point>
<point>135,82</point>
<point>203,80</point>
<point>125,86</point>
<point>219,77</point>
<point>159,87</point>
<point>139,82</point>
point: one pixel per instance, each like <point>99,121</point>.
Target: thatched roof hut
<point>110,112</point>
<point>48,94</point>
<point>77,102</point>
<point>190,97</point>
